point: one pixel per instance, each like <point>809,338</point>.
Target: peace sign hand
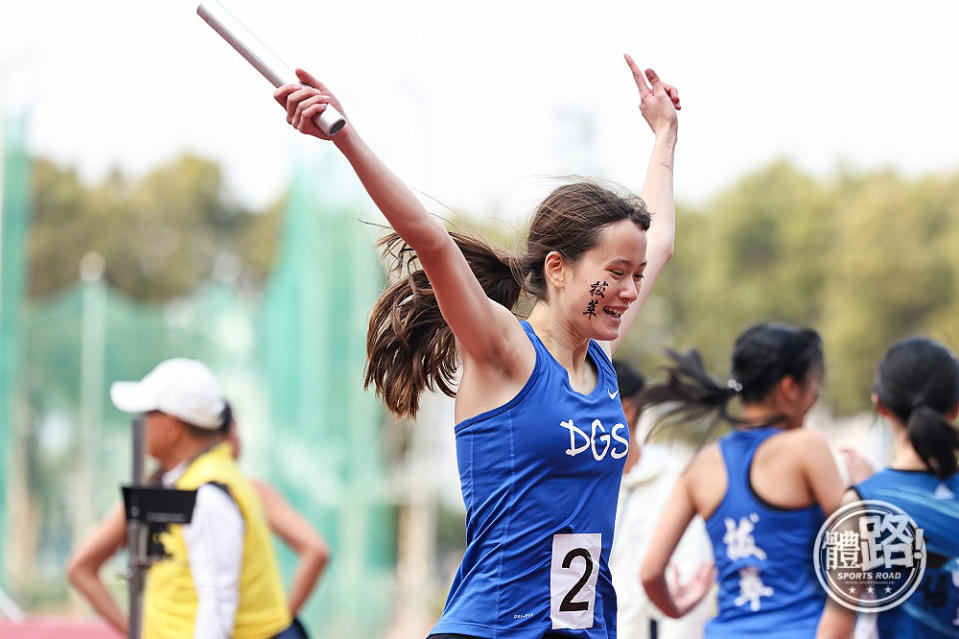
<point>304,102</point>
<point>658,101</point>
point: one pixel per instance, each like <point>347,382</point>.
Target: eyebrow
<point>626,262</point>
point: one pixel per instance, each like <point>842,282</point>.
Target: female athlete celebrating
<point>541,437</point>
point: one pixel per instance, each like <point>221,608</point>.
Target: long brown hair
<point>410,346</point>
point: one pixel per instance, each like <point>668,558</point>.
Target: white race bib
<point>572,579</point>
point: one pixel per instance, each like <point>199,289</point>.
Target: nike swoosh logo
<point>611,394</point>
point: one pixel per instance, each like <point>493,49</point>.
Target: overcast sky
<point>473,102</point>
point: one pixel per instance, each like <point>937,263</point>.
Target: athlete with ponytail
<point>917,392</point>
<point>541,436</point>
<point>763,489</point>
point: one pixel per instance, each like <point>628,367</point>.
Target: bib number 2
<point>572,579</point>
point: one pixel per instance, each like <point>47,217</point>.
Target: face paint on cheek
<point>591,309</point>
<point>597,288</point>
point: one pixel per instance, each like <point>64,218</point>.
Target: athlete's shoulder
<point>705,480</point>
<point>880,479</point>
<point>706,462</point>
<point>806,449</point>
<point>804,439</point>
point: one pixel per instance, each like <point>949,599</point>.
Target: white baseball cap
<point>184,388</point>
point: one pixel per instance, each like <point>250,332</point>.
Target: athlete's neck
<point>761,415</point>
<point>905,457</point>
<point>564,345</point>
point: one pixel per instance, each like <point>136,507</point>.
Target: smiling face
<point>592,293</point>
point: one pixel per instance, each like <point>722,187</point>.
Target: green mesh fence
<point>13,223</point>
<point>291,361</point>
<point>327,449</point>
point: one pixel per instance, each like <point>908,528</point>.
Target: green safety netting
<point>13,222</point>
<point>291,361</point>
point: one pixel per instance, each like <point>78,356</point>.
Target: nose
<point>629,292</point>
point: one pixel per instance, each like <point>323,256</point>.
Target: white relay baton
<point>260,56</point>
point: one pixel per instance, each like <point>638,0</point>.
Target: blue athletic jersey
<point>932,611</point>
<point>540,477</point>
<point>763,554</point>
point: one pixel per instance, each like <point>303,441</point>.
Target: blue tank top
<point>932,611</point>
<point>763,554</point>
<point>540,477</point>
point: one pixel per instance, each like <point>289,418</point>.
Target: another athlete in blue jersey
<point>763,489</point>
<point>917,392</point>
<point>540,435</point>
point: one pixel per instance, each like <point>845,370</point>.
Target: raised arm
<point>658,103</point>
<point>83,567</point>
<point>485,331</point>
<point>297,533</point>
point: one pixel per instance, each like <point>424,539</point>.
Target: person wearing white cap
<point>181,388</point>
<point>220,579</point>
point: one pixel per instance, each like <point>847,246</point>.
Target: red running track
<point>56,629</point>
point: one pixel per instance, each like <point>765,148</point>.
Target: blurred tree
<point>890,276</point>
<point>58,226</point>
<point>943,198</point>
<point>761,253</point>
<point>257,243</point>
<point>161,235</point>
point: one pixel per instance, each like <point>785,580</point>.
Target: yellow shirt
<point>170,601</point>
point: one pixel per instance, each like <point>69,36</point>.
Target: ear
<point>880,407</point>
<point>789,389</point>
<point>177,430</point>
<point>951,415</point>
<point>554,269</point>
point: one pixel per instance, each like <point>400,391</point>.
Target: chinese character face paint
<point>595,290</point>
<point>590,309</point>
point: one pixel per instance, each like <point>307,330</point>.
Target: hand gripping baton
<point>260,56</point>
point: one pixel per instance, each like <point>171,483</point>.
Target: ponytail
<point>935,440</point>
<point>917,380</point>
<point>691,393</point>
<point>409,345</point>
<point>762,356</point>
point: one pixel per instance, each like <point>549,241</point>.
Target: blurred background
<point>156,204</point>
